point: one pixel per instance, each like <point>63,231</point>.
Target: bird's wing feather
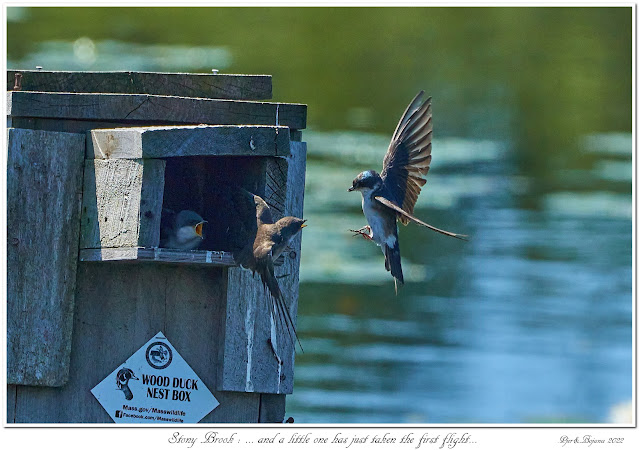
<point>409,217</point>
<point>262,210</point>
<point>244,257</point>
<point>255,217</point>
<point>407,159</point>
<point>248,212</point>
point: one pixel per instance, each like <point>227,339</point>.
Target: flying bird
<point>181,231</point>
<point>390,196</point>
<point>259,242</point>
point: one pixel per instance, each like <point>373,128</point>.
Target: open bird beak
<point>198,228</point>
<point>303,224</point>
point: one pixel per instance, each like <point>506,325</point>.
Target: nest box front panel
<point>122,203</point>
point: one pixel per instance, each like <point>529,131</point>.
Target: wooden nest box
<point>89,175</point>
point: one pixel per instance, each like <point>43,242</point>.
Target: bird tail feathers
<point>393,263</point>
<point>279,310</point>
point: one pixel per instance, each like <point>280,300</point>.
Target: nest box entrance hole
<point>203,184</point>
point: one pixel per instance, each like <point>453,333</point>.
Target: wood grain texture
<point>276,185</point>
<point>205,85</point>
<point>235,407</point>
<point>216,316</point>
<point>163,255</point>
<point>249,362</point>
<point>201,140</point>
<point>151,201</point>
<point>119,307</point>
<point>296,135</point>
<point>296,180</point>
<point>289,272</point>
<point>245,308</point>
<point>195,297</point>
<point>44,182</point>
<point>147,108</point>
<point>122,203</point>
<point>272,408</point>
<point>80,126</point>
<point>11,403</point>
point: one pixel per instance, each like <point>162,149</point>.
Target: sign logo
<point>159,355</point>
<point>155,385</point>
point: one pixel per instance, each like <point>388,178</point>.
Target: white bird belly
<point>186,239</point>
<point>373,219</point>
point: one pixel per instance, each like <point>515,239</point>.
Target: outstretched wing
<point>407,159</point>
<point>262,210</point>
<point>406,217</point>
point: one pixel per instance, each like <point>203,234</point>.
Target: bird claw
<point>365,234</point>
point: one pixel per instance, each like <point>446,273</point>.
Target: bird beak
<point>351,189</point>
<point>303,225</point>
<point>198,228</point>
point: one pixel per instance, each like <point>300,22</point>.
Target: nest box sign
<point>155,385</point>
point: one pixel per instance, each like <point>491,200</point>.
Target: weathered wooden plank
<point>76,126</point>
<point>145,108</point>
<point>44,182</point>
<point>296,135</point>
<point>275,185</point>
<point>249,361</point>
<point>284,192</point>
<point>122,203</point>
<point>251,340</point>
<point>289,272</point>
<point>11,403</point>
<point>200,140</point>
<point>235,407</point>
<point>166,255</point>
<point>275,194</point>
<point>296,179</point>
<point>118,308</point>
<point>272,408</point>
<point>191,298</point>
<point>205,85</point>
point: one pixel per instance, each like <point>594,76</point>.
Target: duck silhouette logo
<point>122,381</point>
<point>159,355</point>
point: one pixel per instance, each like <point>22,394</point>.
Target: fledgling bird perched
<point>391,195</point>
<point>261,242</point>
<point>181,231</point>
